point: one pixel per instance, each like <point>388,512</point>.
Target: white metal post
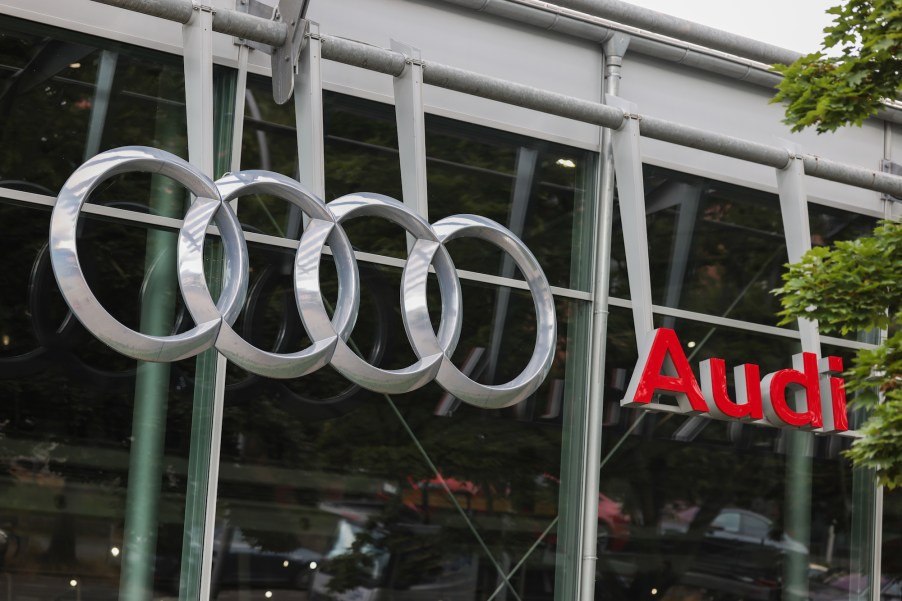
<point>197,36</point>
<point>308,105</point>
<point>797,511</point>
<point>238,124</point>
<point>408,88</point>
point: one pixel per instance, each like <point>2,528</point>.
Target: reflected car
<point>737,556</point>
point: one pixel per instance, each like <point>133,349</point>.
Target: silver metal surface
<point>329,335</point>
<point>426,344</point>
<point>411,120</point>
<point>71,279</point>
<point>284,59</point>
<point>308,114</point>
<point>197,296</point>
<point>230,22</point>
<point>631,195</point>
<point>414,376</point>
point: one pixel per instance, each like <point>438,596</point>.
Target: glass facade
<point>328,491</point>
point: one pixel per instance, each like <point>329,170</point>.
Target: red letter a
<point>663,366</point>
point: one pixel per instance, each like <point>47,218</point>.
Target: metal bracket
<point>265,9</point>
<point>894,169</point>
<point>284,58</point>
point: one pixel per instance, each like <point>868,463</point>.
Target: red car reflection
<point>613,523</point>
<point>428,495</point>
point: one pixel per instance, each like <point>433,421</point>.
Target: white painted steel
<point>631,195</point>
<point>411,122</point>
<point>308,114</point>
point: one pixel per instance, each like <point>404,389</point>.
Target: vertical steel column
<point>308,111</point>
<point>683,232</point>
<point>206,419</point>
<point>100,105</point>
<point>516,222</point>
<point>408,88</point>
<point>238,122</point>
<point>797,512</point>
<point>614,49</point>
<point>145,470</point>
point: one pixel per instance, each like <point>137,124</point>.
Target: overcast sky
<point>794,24</point>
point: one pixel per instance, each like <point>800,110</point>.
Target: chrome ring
<point>71,279</point>
<point>419,330</point>
<point>328,335</point>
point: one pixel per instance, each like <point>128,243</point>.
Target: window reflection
<point>67,97</point>
<point>66,434</point>
<point>718,248</point>
<point>539,190</point>
<point>412,494</point>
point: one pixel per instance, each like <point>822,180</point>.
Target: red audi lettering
<point>665,368</point>
<point>713,376</point>
<point>833,395</point>
<point>803,383</point>
<point>808,396</point>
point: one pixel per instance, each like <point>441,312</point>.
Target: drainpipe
<point>614,49</point>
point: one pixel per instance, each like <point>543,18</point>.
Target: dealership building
<point>515,207</point>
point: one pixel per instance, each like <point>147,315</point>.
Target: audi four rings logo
<point>214,320</point>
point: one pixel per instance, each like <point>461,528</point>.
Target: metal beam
<point>226,21</point>
<point>797,504</point>
<point>393,63</point>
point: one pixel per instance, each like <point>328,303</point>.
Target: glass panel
<point>719,248</point>
<point>109,441</point>
<point>541,191</point>
<point>94,449</point>
<point>333,490</point>
<point>67,97</point>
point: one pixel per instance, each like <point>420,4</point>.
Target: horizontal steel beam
<point>230,22</point>
<point>392,63</point>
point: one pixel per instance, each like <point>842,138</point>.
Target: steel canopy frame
<point>365,56</point>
